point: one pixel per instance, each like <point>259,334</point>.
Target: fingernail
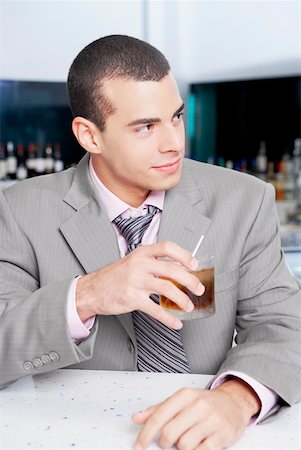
<point>201,289</point>
<point>193,264</point>
<point>178,324</point>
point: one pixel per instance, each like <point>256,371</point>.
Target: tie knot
<point>133,229</point>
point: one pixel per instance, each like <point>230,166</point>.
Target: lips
<point>169,167</point>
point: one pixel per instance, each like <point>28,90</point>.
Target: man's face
<point>142,147</point>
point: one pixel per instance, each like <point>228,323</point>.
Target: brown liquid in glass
<point>206,277</point>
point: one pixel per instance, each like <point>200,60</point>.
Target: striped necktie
<point>160,348</point>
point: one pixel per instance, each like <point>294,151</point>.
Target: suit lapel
<point>184,219</point>
<point>91,237</point>
<point>89,231</point>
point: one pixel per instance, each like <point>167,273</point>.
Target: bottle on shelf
<point>271,176</point>
<point>49,160</point>
<point>31,160</point>
<point>11,161</point>
<point>295,216</point>
<point>229,164</point>
<point>285,158</point>
<point>297,154</point>
<point>3,165</point>
<point>210,160</point>
<point>262,161</point>
<point>40,163</point>
<point>58,162</point>
<point>22,172</point>
<point>221,161</point>
<point>298,194</point>
<point>288,176</point>
<point>298,189</point>
<point>296,161</point>
<point>279,185</point>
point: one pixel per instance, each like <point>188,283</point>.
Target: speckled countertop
<point>91,409</point>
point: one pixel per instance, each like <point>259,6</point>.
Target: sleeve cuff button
<point>46,359</point>
<point>37,362</point>
<point>28,365</point>
<point>54,356</point>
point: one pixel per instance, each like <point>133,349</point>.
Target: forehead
<point>141,99</point>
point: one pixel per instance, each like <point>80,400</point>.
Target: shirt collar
<point>114,206</point>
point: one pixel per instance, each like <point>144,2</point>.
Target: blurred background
<point>237,63</point>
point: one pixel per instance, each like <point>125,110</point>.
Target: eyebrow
<point>153,119</point>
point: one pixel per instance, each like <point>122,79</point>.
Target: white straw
<point>198,245</point>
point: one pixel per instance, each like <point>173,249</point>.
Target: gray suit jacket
<point>53,228</point>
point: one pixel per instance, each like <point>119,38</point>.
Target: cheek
<point>181,133</point>
<point>141,152</point>
<point>130,154</point>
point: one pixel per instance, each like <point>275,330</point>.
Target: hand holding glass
<point>204,305</point>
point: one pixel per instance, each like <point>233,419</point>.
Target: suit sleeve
<point>268,321</point>
<point>34,335</point>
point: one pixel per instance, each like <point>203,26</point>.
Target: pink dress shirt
<point>115,207</point>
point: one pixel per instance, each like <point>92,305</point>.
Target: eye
<point>179,117</point>
<point>145,129</point>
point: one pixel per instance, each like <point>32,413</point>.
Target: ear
<point>87,134</point>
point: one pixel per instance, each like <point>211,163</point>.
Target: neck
<point>133,196</point>
<point>132,200</point>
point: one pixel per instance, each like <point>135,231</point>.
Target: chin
<point>167,183</point>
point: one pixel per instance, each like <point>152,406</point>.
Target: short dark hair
<point>107,58</point>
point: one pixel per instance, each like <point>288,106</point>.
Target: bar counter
<point>85,410</point>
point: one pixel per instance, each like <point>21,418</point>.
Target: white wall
<point>225,40</point>
<point>203,40</point>
<point>39,39</point>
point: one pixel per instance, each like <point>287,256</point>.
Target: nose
<point>171,139</point>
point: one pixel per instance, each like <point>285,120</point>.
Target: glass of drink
<point>204,305</point>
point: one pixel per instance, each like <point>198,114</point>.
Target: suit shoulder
<point>56,183</point>
<point>222,178</point>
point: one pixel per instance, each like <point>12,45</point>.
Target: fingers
<point>176,272</point>
<point>181,431</point>
<point>192,419</point>
<point>172,292</point>
<point>162,414</point>
<point>173,251</point>
<point>185,429</point>
<point>141,273</point>
<point>199,435</point>
<point>189,427</point>
<point>141,416</point>
<point>208,444</point>
<point>151,308</point>
<point>156,276</point>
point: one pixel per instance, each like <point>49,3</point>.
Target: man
<point>75,287</point>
